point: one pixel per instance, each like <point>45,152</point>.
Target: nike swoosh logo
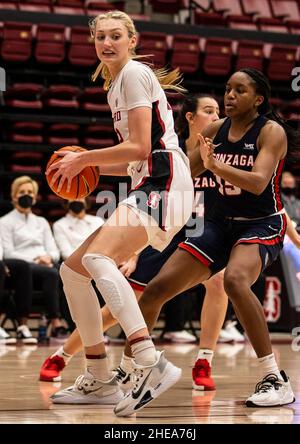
<point>139,169</point>
<point>135,395</point>
<point>87,392</point>
<point>144,401</point>
<point>272,228</point>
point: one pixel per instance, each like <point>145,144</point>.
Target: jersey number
<point>226,189</point>
<point>198,205</point>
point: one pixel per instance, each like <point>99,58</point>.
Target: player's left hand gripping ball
<point>67,178</point>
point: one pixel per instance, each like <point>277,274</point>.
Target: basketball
<point>82,185</point>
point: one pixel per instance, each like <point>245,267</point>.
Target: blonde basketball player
<point>159,204</point>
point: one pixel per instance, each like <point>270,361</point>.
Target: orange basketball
<point>82,185</point>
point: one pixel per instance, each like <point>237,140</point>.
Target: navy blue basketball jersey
<point>232,201</point>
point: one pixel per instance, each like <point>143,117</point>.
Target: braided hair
<point>263,88</point>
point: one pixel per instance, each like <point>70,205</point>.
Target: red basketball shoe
<point>201,376</point>
<point>52,368</point>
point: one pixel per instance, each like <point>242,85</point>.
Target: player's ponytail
<point>170,79</point>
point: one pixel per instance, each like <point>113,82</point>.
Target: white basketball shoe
<point>89,390</point>
<point>272,392</point>
<point>149,383</point>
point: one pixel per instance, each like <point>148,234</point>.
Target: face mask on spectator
<point>25,201</point>
<point>288,191</point>
<point>76,206</point>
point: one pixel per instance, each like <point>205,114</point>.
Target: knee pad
<point>101,268</point>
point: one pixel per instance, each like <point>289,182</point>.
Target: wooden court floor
<point>25,400</point>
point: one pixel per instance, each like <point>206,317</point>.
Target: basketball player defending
<point>244,232</point>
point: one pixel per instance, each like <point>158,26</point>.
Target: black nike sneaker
<point>149,383</point>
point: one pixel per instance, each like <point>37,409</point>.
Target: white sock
<point>60,352</point>
<point>126,364</point>
<point>206,353</point>
<point>144,352</point>
<point>269,365</point>
<point>99,368</point>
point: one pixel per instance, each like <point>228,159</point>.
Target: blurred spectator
<point>28,237</point>
<point>74,228</point>
<point>292,207</point>
<point>17,272</point>
<point>290,201</point>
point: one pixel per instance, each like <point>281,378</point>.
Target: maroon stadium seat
<point>217,59</point>
<point>285,9</point>
<point>8,5</point>
<point>261,12</point>
<point>250,54</point>
<point>242,22</point>
<point>209,18</point>
<point>17,39</point>
<point>82,49</point>
<point>26,157</point>
<point>25,169</point>
<point>36,5</point>
<point>94,99</point>
<point>50,44</point>
<point>24,95</point>
<point>281,62</point>
<point>232,11</point>
<point>26,132</point>
<point>186,53</point>
<point>294,106</point>
<point>75,7</point>
<point>60,134</point>
<point>95,7</point>
<point>166,6</point>
<point>99,136</point>
<point>254,8</point>
<point>289,12</point>
<point>61,96</point>
<point>154,44</point>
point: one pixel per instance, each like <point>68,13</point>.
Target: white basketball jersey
<point>136,85</point>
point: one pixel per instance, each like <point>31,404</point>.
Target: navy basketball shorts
<point>151,261</point>
<point>214,245</point>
